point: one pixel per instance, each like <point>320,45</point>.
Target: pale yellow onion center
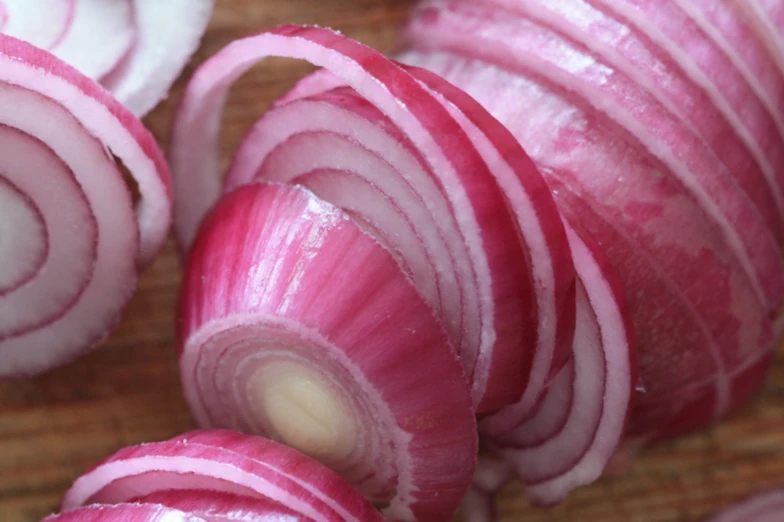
<point>305,410</point>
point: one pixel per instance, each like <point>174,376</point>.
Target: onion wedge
<point>226,462</point>
<point>70,240</point>
<point>303,328</point>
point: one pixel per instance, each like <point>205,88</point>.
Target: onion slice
<point>70,242</point>
<point>229,462</point>
<point>540,225</point>
<point>427,191</point>
<point>298,325</point>
<point>91,35</point>
<point>216,506</point>
<point>762,507</point>
<point>604,377</point>
<point>125,513</point>
<point>167,34</point>
<point>132,47</point>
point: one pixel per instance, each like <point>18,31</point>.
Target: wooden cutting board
<point>54,427</point>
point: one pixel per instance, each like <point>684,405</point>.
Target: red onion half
<point>698,260</point>
<point>390,154</point>
<point>249,467</point>
<point>762,507</point>
<point>133,47</point>
<point>298,325</point>
<point>70,240</point>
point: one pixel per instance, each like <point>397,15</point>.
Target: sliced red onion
<point>636,112</point>
<point>401,165</point>
<point>69,238</point>
<point>91,35</point>
<point>726,25</point>
<point>125,513</point>
<point>698,354</point>
<point>762,507</point>
<point>711,67</point>
<point>298,325</point>
<point>546,418</point>
<point>671,87</point>
<point>232,463</point>
<point>216,506</point>
<point>604,376</point>
<point>167,34</point>
<point>132,47</point>
<point>540,225</point>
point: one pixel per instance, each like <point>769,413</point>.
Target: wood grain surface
<point>54,427</point>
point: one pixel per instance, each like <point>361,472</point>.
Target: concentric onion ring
<point>70,240</point>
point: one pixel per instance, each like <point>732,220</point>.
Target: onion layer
<point>216,506</point>
<point>130,46</point>
<point>91,35</point>
<point>603,374</point>
<point>223,462</point>
<point>70,242</point>
<point>298,325</point>
<point>479,503</point>
<point>125,513</point>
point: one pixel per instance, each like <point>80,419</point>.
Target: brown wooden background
<point>53,427</point>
